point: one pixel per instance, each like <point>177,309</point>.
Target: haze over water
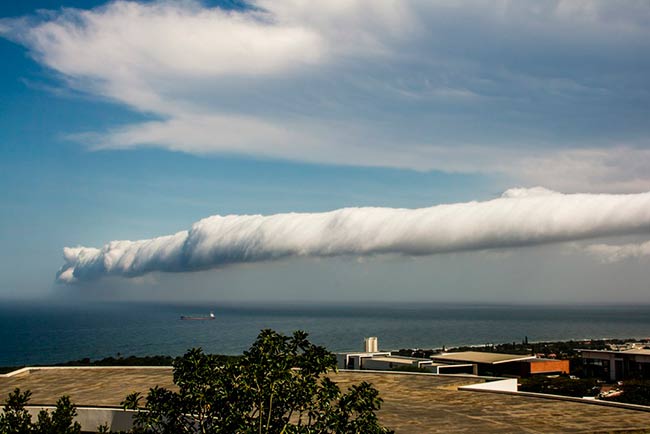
<point>43,333</point>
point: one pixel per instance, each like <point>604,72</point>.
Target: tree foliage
<point>279,386</point>
<point>15,419</point>
<point>560,385</point>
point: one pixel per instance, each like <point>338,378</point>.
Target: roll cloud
<point>520,217</point>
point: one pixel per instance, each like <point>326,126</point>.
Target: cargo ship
<point>197,318</point>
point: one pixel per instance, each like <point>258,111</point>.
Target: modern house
<point>465,362</point>
<point>500,364</point>
<point>373,359</point>
<point>385,361</point>
<point>617,365</point>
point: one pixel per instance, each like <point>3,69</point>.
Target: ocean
<point>45,333</point>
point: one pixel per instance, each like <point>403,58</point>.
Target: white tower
<point>370,344</point>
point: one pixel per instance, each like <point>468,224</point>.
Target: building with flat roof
<point>617,365</point>
<point>372,359</point>
<point>480,357</point>
<point>386,362</point>
<point>380,362</point>
<point>501,364</point>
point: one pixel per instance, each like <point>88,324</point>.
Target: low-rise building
<point>465,362</point>
<point>385,361</point>
<point>617,365</point>
<point>381,363</point>
<point>356,360</point>
<point>500,364</point>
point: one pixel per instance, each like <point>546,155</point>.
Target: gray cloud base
<point>520,217</point>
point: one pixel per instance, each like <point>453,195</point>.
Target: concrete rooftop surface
<point>481,357</point>
<point>412,403</point>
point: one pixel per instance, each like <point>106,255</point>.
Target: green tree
<point>15,419</point>
<point>60,421</point>
<point>561,385</point>
<point>279,386</point>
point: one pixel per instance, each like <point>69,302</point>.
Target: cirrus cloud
<point>553,92</point>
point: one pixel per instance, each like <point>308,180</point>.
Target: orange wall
<point>550,366</point>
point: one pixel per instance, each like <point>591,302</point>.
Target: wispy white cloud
<point>614,169</point>
<point>611,253</point>
<point>521,217</point>
<point>451,85</point>
<point>610,170</point>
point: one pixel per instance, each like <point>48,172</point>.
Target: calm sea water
<point>41,334</point>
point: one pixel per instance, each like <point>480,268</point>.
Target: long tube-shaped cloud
<point>519,217</point>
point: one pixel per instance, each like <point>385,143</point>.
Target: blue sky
<point>128,120</point>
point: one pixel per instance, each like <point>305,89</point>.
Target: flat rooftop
<point>398,359</point>
<point>412,403</point>
<point>634,351</point>
<point>480,357</point>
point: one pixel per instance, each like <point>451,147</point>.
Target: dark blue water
<point>41,334</point>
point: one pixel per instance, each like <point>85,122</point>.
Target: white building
<point>385,361</point>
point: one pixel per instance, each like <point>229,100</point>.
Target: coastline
<point>45,335</point>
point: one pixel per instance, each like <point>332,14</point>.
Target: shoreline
<point>166,360</point>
